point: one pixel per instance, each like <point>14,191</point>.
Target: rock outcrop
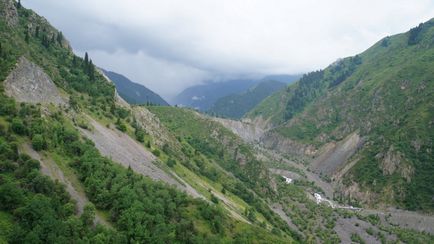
<point>29,83</point>
<point>249,132</point>
<point>9,12</point>
<point>333,156</point>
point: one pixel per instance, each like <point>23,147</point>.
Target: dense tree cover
<point>315,84</point>
<point>225,149</point>
<point>308,88</point>
<point>414,33</point>
<point>121,192</point>
<point>141,210</point>
<point>41,210</point>
<point>237,105</point>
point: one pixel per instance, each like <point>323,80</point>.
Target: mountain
<point>287,79</point>
<point>132,92</point>
<point>237,105</point>
<point>203,96</point>
<point>79,164</point>
<point>367,120</point>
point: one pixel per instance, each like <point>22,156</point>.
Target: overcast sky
<point>169,45</point>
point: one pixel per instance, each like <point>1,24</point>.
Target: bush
<point>121,126</point>
<point>140,135</point>
<point>214,199</point>
<point>156,152</point>
<point>171,162</point>
<point>18,126</point>
<point>38,142</point>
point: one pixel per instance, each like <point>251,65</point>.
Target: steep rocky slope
<point>89,141</point>
<point>385,96</point>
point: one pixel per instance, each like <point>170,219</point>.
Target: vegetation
<point>134,93</point>
<point>235,106</point>
<point>35,209</point>
<point>383,94</point>
<point>204,149</point>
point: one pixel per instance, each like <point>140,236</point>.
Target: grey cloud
<point>174,43</point>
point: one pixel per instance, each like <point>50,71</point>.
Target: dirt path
<point>50,169</point>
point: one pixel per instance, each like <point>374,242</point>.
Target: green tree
<point>18,126</point>
<point>88,215</point>
<point>214,199</point>
<point>171,162</point>
<point>156,152</point>
<point>120,125</point>
<point>86,59</point>
<point>60,39</point>
<point>38,142</point>
<point>140,135</point>
<point>10,196</point>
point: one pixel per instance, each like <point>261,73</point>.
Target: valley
<point>340,155</point>
<point>387,217</point>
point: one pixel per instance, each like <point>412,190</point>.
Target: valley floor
<point>368,225</point>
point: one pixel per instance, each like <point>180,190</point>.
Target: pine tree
<point>27,37</point>
<point>91,70</point>
<point>19,4</point>
<point>37,32</point>
<point>86,59</point>
<point>60,38</point>
<point>74,61</point>
<point>45,41</point>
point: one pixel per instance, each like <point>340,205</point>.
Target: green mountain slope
<point>134,207</point>
<point>237,105</point>
<point>385,95</point>
<point>132,92</point>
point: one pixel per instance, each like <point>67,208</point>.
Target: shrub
<point>38,142</point>
<point>171,162</point>
<point>156,152</point>
<point>18,126</point>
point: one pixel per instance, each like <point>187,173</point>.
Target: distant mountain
<point>132,92</point>
<point>237,105</point>
<point>203,96</point>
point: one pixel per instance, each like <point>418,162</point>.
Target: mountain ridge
<point>237,105</point>
<point>381,94</point>
<point>132,92</point>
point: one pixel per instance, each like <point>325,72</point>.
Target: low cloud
<point>168,45</point>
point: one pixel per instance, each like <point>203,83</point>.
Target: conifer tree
<point>91,70</point>
<point>37,32</point>
<point>86,59</point>
<point>60,38</point>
